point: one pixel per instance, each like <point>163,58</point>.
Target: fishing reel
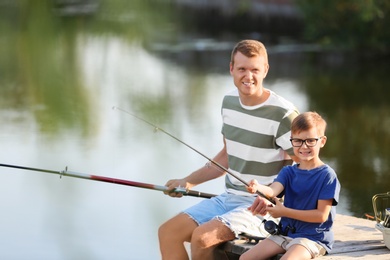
<point>275,229</point>
<point>271,227</point>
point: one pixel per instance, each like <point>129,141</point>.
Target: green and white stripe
<point>257,138</point>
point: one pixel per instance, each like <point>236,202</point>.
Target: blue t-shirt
<point>302,190</point>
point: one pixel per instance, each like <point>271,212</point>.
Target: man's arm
<point>203,174</point>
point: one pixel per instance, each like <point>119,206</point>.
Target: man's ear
<point>266,70</point>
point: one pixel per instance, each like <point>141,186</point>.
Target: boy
<point>311,191</point>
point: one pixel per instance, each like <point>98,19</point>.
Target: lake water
<point>60,79</point>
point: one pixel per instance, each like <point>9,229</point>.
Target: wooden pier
<point>354,238</point>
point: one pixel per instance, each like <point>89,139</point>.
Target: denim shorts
<point>232,210</point>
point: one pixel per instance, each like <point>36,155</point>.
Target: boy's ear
<point>323,141</point>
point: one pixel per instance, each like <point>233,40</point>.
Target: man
<point>256,131</point>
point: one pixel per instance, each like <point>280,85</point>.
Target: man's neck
<point>254,100</point>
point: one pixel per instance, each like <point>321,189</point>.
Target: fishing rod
<point>157,128</point>
<point>65,172</point>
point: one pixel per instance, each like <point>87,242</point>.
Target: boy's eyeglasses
<point>310,142</point>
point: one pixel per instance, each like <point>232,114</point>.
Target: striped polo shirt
<point>257,139</point>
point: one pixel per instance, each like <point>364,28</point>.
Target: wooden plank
<point>377,254</point>
<point>354,237</point>
<point>355,234</point>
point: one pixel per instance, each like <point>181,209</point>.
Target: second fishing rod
<point>218,165</point>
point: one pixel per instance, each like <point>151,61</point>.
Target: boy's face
<point>308,150</point>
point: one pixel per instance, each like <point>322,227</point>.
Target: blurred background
<point>64,64</point>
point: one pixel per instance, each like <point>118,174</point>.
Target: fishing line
<point>218,165</point>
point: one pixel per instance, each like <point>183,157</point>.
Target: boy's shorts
<point>232,210</point>
<point>284,242</point>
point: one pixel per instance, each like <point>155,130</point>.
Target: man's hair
<point>308,120</point>
<point>249,48</point>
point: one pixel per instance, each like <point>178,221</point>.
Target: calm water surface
<point>61,77</point>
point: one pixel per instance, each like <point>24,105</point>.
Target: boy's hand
<point>276,211</point>
<point>252,186</point>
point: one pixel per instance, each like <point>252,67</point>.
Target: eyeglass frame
<point>305,141</point>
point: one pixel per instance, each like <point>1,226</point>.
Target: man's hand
<point>174,184</point>
<point>259,206</point>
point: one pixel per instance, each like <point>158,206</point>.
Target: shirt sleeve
<point>331,188</point>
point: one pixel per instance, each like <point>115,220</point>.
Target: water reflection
<point>60,78</point>
<point>355,101</point>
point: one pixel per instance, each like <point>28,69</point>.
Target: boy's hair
<point>308,120</point>
<point>250,48</point>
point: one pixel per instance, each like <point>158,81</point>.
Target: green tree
<point>351,24</point>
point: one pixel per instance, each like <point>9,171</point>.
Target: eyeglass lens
<point>310,142</point>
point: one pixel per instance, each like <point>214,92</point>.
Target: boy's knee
<point>242,257</point>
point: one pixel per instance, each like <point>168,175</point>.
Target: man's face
<point>248,73</point>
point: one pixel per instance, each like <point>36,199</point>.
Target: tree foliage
<point>352,24</point>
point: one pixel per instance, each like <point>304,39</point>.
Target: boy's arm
<point>273,190</point>
<point>318,215</point>
<point>261,204</point>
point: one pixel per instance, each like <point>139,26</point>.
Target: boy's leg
<point>207,237</point>
<point>303,248</point>
<point>297,252</point>
<point>172,235</point>
<point>263,250</point>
